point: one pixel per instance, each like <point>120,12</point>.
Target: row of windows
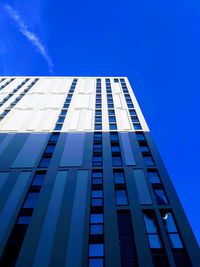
<point>110,104</point>
<point>17,99</point>
<point>5,84</point>
<point>18,233</point>
<point>13,92</point>
<point>2,79</point>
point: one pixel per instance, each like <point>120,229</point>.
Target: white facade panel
<point>82,101</point>
<point>16,120</point>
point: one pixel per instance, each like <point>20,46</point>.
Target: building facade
<point>81,181</point>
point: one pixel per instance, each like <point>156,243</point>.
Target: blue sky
<point>155,43</point>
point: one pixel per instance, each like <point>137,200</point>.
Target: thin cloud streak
<point>32,37</point>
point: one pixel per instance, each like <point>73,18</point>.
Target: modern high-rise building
<point>81,181</point>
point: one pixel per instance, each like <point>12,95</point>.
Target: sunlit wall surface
<point>81,181</point>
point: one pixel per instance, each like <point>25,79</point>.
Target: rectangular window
<point>38,178</point>
<point>153,176</point>
<point>45,161</point>
<point>49,149</point>
<point>152,230</point>
<point>98,126</point>
<point>126,239</point>
<point>137,126</point>
<point>121,197</point>
<point>148,160</point>
<point>160,196</point>
<point>118,176</point>
<point>171,230</point>
<point>113,126</point>
<point>31,200</point>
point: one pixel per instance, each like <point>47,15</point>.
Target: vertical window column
<point>110,105</point>
<point>98,107</point>
<point>132,111</point>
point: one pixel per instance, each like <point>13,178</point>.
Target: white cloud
<point>31,36</point>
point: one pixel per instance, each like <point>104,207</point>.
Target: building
<point>82,183</point>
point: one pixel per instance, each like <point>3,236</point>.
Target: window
<point>134,119</point>
<point>50,149</point>
<point>96,224</point>
<point>126,239</point>
<point>113,126</point>
<point>44,163</point>
<point>160,196</point>
<point>97,160</point>
<point>112,119</point>
<point>97,148</point>
<point>98,126</point>
<point>118,176</point>
<point>97,198</point>
<point>116,161</point>
<point>130,105</point>
<point>111,112</point>
<point>96,250</point>
<point>66,105</point>
<point>98,105</point>
<point>24,220</point>
<point>97,177</point>
<point>110,106</point>
<point>98,112</point>
<point>58,127</point>
<point>137,126</point>
<point>31,200</point>
<point>38,179</point>
<point>144,148</point>
<point>115,148</point>
<point>121,197</point>
<point>63,112</point>
<point>171,230</point>
<point>97,137</point>
<point>98,118</point>
<point>152,230</point>
<point>148,160</point>
<point>54,137</point>
<point>61,119</point>
<point>154,176</point>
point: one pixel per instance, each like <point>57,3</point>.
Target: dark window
<point>97,148</point>
<point>111,112</point>
<point>98,118</point>
<point>126,240</point>
<point>98,126</point>
<point>112,119</point>
<point>114,137</point>
<point>97,160</point>
<point>115,148</point>
<point>144,148</point>
<point>54,137</point>
<point>58,127</point>
<point>110,106</point>
<point>96,250</point>
<point>61,119</point>
<point>63,112</point>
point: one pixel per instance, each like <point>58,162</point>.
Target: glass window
<point>98,118</point>
<point>38,179</point>
<point>98,105</point>
<point>24,220</point>
<point>113,126</point>
<point>96,250</point>
<point>97,174</point>
<point>134,119</point>
<point>98,126</point>
<point>154,241</point>
<point>160,196</point>
<point>119,177</point>
<point>169,222</point>
<point>97,181</point>
<point>63,112</point>
<point>97,161</point>
<point>175,241</point>
<point>116,161</point>
<point>98,112</point>
<point>110,106</point>
<point>66,105</point>
<point>115,149</point>
<point>97,262</point>
<point>61,119</point>
<point>154,176</point>
<point>150,223</point>
<point>114,137</point>
<point>121,197</point>
<point>148,160</point>
<point>31,200</point>
<point>96,218</point>
<point>54,137</point>
<point>132,112</point>
<point>98,202</point>
<point>137,126</point>
<point>112,119</point>
<point>44,163</point>
<point>97,194</point>
<point>144,148</point>
<point>58,127</point>
<point>97,148</point>
<point>111,112</point>
<point>97,137</point>
<point>96,229</point>
<point>98,101</point>
<point>50,149</point>
<point>130,105</point>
